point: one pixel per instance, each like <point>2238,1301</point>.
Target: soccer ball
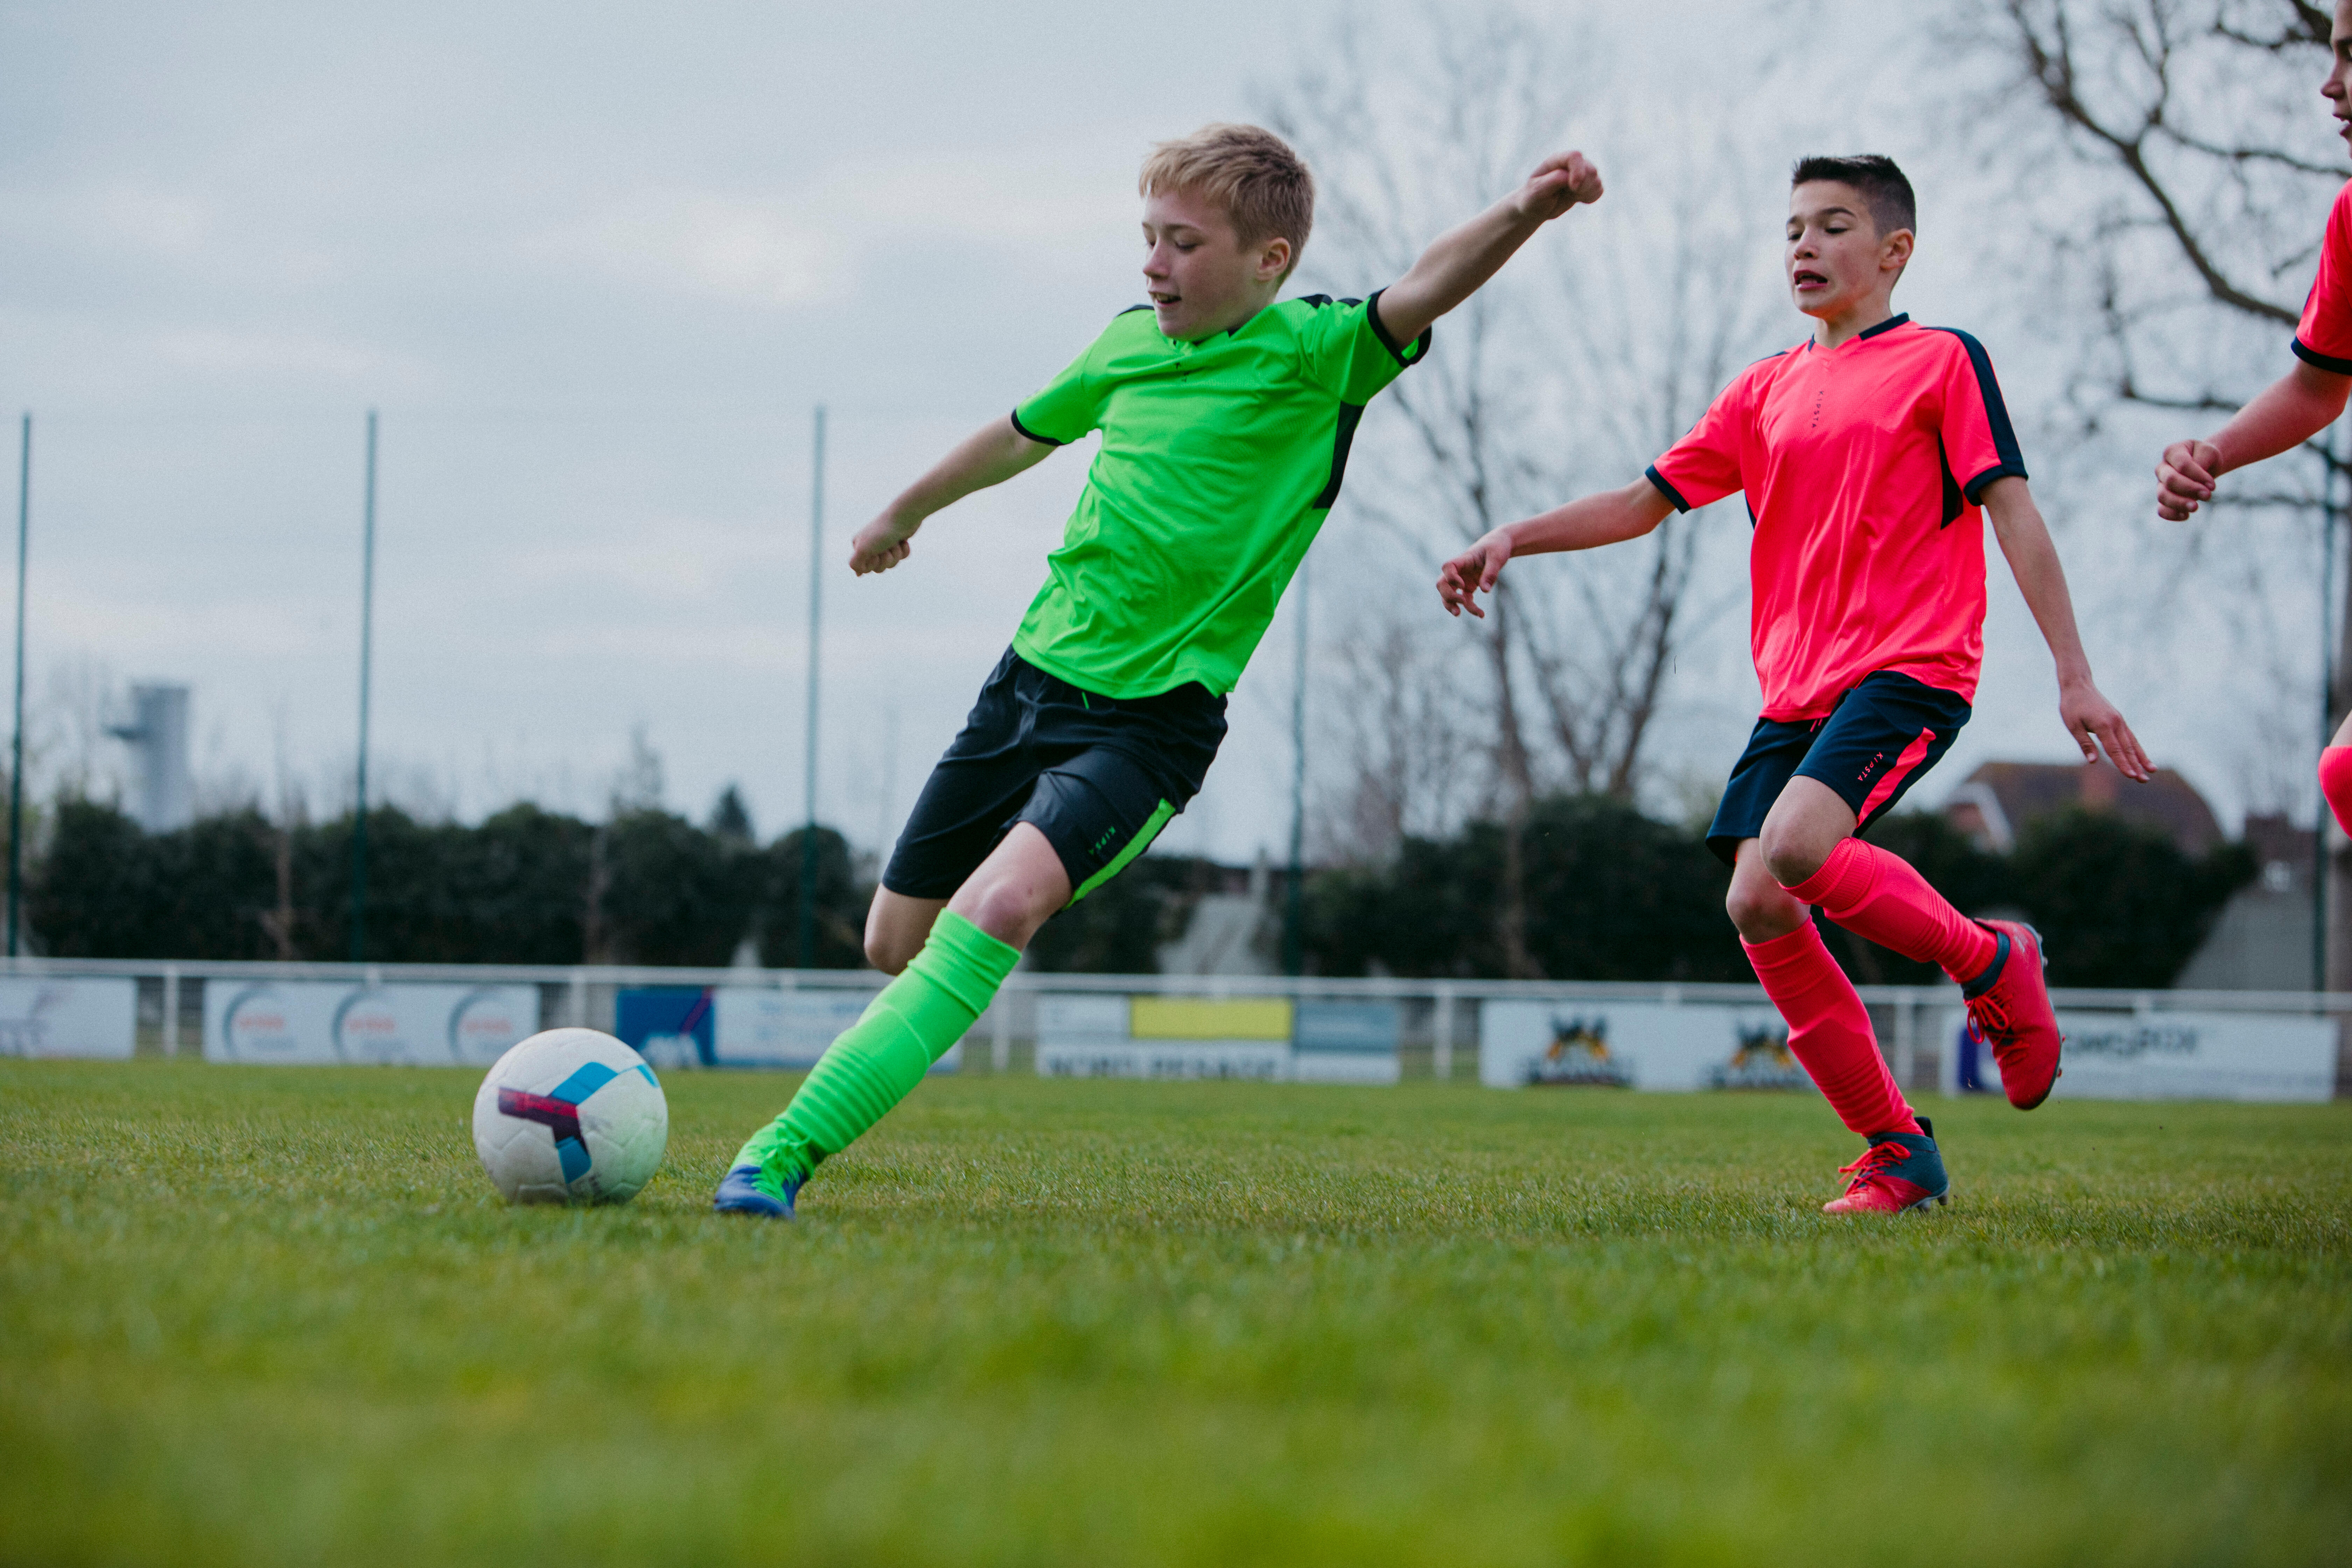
<point>571,1116</point>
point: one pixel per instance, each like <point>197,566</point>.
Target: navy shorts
<point>1875,745</point>
<point>1098,776</point>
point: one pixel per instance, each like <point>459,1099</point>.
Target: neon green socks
<point>878,1061</point>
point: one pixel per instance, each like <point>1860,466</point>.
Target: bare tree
<point>1548,381</point>
<point>2201,172</point>
<point>1400,731</point>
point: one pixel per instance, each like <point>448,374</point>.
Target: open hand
<point>2088,715</point>
<point>2184,478</point>
<point>1472,572</point>
<point>1559,183</point>
<point>879,545</point>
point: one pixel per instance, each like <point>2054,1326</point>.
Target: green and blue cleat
<point>1898,1172</point>
<point>754,1190</point>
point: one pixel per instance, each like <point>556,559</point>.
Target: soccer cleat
<point>1899,1171</point>
<point>749,1189</point>
<point>2009,1010</point>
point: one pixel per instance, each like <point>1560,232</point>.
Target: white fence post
<point>170,1009</point>
<point>1441,1034</point>
<point>579,998</point>
<point>1000,1047</point>
<point>1906,1039</point>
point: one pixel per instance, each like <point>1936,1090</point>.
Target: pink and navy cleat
<point>753,1190</point>
<point>1899,1171</point>
<point>2009,1010</point>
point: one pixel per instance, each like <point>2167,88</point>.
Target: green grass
<point>265,1316</point>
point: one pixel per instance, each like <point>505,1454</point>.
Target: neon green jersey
<point>1220,460</point>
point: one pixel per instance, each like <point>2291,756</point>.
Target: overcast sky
<point>595,264</point>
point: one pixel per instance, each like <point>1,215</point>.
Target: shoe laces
<point>1988,1015</point>
<point>1873,1162</point>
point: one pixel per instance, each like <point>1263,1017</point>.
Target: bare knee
<point>1763,913</point>
<point>1008,909</point>
<point>889,956</point>
<point>896,928</point>
<point>1791,854</point>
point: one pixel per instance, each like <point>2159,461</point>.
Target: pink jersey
<point>2324,337</point>
<point>1863,465</point>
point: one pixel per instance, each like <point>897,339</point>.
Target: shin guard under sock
<point>2335,784</point>
<point>878,1061</point>
<point>1829,1031</point>
<point>1878,894</point>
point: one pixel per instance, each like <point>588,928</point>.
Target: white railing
<point>1440,1018</point>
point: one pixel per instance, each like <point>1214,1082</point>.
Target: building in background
<point>162,797</point>
<point>1994,802</point>
<point>2263,940</point>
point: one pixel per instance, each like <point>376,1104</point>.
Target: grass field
<point>276,1316</point>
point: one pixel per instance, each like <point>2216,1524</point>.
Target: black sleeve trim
<point>1343,436</point>
<point>2004,433</point>
<point>1044,440</point>
<point>1380,330</point>
<point>1132,309</point>
<point>1974,489</point>
<point>1666,490</point>
<point>2318,361</point>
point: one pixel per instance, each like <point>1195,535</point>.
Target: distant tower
<point>162,798</point>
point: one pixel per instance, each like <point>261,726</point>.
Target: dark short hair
<point>1882,184</point>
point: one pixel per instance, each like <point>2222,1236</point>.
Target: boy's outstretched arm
<point>1452,269</point>
<point>2033,561</point>
<point>990,456</point>
<point>1583,523</point>
<point>2293,408</point>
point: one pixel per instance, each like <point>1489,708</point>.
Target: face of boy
<point>2337,88</point>
<point>1836,260</point>
<point>1203,280</point>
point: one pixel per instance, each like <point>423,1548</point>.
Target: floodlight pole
<point>367,652</point>
<point>17,760</point>
<point>816,608</point>
<point>1294,934</point>
<point>2328,651</point>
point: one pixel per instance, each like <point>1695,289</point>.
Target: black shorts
<point>1098,776</point>
<point>1875,745</point>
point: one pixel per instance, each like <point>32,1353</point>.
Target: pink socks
<point>1878,895</point>
<point>1829,1031</point>
<point>2335,783</point>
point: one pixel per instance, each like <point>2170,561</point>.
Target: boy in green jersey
<point>1226,418</point>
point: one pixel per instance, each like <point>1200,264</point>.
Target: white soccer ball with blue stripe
<point>571,1116</point>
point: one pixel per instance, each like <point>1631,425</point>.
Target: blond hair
<point>1262,185</point>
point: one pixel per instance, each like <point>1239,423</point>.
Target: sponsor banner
<point>742,1026</point>
<point>1267,1060</point>
<point>1634,1045</point>
<point>61,1017</point>
<point>1264,1038</point>
<point>1347,1042</point>
<point>2164,1056</point>
<point>1210,1018</point>
<point>322,1021</point>
<point>671,1026</point>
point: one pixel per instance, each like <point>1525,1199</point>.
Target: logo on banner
<point>1762,1061</point>
<point>1577,1058</point>
<point>484,1025</point>
<point>366,1028</point>
<point>257,1026</point>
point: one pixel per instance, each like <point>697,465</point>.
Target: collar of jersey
<point>1887,325</point>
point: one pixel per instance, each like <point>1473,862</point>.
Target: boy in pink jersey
<point>2300,404</point>
<point>1865,453</point>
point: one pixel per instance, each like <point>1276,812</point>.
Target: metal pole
<point>2327,727</point>
<point>1294,932</point>
<point>16,761</point>
<point>816,606</point>
<point>367,653</point>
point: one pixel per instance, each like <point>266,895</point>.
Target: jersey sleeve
<point>1705,466</point>
<point>1345,350</point>
<point>1980,443</point>
<point>2324,336</point>
<point>1068,406</point>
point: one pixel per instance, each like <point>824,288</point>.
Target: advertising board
<point>741,1026</point>
<point>328,1022</point>
<point>1634,1045</point>
<point>2164,1056</point>
<point>63,1017</point>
